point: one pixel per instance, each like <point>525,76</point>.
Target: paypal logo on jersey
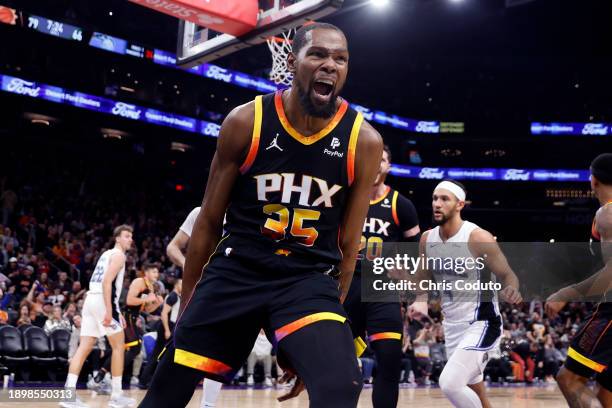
<point>126,110</point>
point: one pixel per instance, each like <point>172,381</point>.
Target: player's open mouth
<point>323,88</point>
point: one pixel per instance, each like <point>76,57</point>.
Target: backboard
<point>198,44</point>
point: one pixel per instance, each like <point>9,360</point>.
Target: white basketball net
<point>280,49</point>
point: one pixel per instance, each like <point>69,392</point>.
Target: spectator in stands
<point>552,361</point>
<point>70,311</point>
<point>56,321</point>
<point>407,356</point>
<point>12,270</point>
<point>262,352</point>
<point>421,345</point>
<point>57,298</point>
<point>36,298</point>
<point>77,291</point>
<point>43,283</point>
<point>7,298</point>
<point>24,315</point>
<point>63,283</point>
<point>23,280</point>
<point>524,367</point>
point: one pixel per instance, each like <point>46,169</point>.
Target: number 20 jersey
<point>288,203</point>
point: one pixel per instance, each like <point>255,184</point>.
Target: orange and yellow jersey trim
<point>305,321</point>
<point>350,161</point>
<point>307,140</point>
<point>382,197</point>
<point>385,336</point>
<point>394,208</point>
<point>198,362</point>
<point>250,158</point>
<point>585,361</point>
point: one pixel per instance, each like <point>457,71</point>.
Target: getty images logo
<point>516,175</point>
<point>335,143</point>
<point>21,87</point>
<point>126,110</point>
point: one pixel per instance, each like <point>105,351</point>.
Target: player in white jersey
<point>101,317</point>
<point>176,252</point>
<point>472,322</point>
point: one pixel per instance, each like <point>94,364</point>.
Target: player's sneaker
<point>121,401</point>
<point>250,381</point>
<point>134,381</point>
<point>77,403</point>
<point>267,382</point>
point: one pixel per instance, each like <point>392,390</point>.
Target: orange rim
<point>279,40</point>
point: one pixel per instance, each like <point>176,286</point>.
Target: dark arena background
<point>99,126</point>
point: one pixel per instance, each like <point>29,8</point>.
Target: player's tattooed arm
<point>232,146</point>
<point>367,161</point>
<point>483,244</point>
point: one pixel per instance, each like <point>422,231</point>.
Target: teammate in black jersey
<point>391,218</point>
<point>141,297</point>
<point>590,353</point>
<point>294,171</point>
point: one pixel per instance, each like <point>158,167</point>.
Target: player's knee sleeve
<point>388,358</point>
<point>336,388</point>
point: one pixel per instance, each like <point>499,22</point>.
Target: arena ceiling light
<point>379,3</point>
<point>38,119</point>
<point>108,133</point>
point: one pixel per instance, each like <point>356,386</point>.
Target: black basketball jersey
<point>288,203</point>
<point>135,310</point>
<point>388,217</point>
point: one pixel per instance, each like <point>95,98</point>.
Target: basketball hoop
<point>280,47</point>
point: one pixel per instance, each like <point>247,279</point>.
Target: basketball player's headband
<point>453,188</point>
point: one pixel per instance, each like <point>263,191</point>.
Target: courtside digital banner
<point>459,272</point>
<point>152,116</point>
<point>572,129</point>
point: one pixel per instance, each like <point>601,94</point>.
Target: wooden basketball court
<point>501,397</point>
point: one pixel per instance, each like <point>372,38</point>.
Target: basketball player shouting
<point>590,353</point>
<point>391,218</point>
<point>294,219</point>
<point>472,322</point>
<point>102,317</point>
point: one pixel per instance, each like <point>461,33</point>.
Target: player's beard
<point>442,221</point>
<point>325,111</point>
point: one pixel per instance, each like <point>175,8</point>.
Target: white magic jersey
<point>447,266</point>
<point>95,283</point>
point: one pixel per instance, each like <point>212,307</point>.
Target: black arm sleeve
<point>408,218</point>
<point>171,299</point>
